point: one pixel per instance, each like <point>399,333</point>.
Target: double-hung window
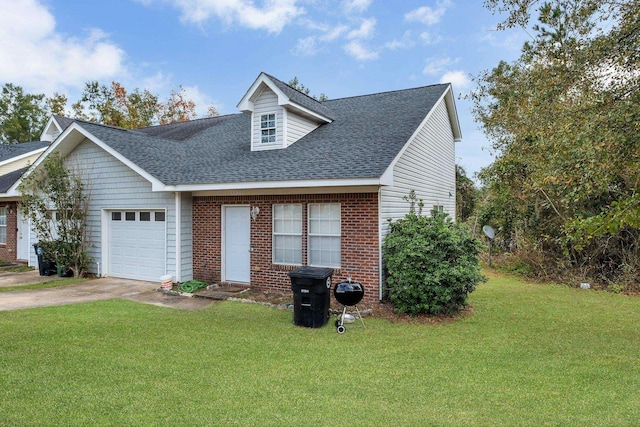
<point>3,225</point>
<point>268,128</point>
<point>287,234</point>
<point>324,234</point>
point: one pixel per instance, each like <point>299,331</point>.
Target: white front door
<point>237,260</point>
<point>24,231</point>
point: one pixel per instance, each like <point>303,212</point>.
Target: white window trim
<point>310,235</point>
<point>274,234</point>
<point>3,213</point>
<point>274,128</point>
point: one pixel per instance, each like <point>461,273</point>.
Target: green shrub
<point>431,263</point>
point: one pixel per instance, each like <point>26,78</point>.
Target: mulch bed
<point>383,310</point>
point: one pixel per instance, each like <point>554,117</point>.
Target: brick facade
<point>8,250</point>
<point>359,239</point>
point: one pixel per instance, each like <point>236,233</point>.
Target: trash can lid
<point>311,272</point>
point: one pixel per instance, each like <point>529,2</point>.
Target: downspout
<point>178,237</point>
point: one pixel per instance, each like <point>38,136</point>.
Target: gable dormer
<point>280,115</point>
<point>54,127</point>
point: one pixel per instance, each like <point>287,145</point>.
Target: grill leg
<point>360,316</point>
<point>344,311</point>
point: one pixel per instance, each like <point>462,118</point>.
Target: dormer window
<point>280,115</point>
<point>268,128</point>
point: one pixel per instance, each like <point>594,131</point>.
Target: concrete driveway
<point>91,290</point>
<point>9,278</point>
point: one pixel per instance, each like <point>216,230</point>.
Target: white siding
<point>19,164</point>
<point>426,166</point>
<point>112,185</point>
<point>297,127</point>
<point>267,103</point>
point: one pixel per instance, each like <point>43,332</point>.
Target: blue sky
<point>216,48</point>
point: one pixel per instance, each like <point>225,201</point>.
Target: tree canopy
<point>564,120</point>
<point>294,83</point>
<point>23,115</point>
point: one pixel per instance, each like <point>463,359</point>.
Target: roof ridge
<point>388,91</point>
<point>293,88</point>
<point>102,125</point>
<point>188,121</point>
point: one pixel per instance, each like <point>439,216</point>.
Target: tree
<point>179,108</point>
<point>22,116</point>
<point>295,84</point>
<point>466,194</point>
<point>57,104</point>
<point>113,105</point>
<point>55,200</point>
<point>564,119</point>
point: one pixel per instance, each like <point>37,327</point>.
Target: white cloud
<point>333,33</point>
<point>272,17</point>
<point>458,79</point>
<point>356,5</point>
<point>437,65</point>
<point>201,99</point>
<point>310,46</point>
<point>307,46</point>
<point>428,15</point>
<point>429,39</point>
<point>34,55</point>
<point>365,31</point>
<point>405,43</point>
<point>512,42</point>
<point>360,52</point>
<point>159,82</point>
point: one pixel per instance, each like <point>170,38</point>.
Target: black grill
<point>348,293</point>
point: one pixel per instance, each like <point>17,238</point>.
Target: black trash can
<point>45,266</point>
<point>311,288</point>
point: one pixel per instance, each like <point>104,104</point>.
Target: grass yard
<point>54,283</point>
<point>529,355</point>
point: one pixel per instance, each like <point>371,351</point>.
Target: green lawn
<point>54,283</point>
<point>529,355</point>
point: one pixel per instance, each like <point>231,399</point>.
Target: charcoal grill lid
<point>348,293</point>
<point>306,272</point>
<point>349,287</point>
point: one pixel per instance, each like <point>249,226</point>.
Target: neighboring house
<point>14,228</point>
<point>246,198</point>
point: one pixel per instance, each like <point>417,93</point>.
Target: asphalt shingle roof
<point>366,135</point>
<point>64,122</point>
<point>302,99</point>
<point>7,180</point>
<point>9,151</point>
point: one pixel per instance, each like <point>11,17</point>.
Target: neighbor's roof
<point>10,151</point>
<point>367,134</point>
<point>7,180</point>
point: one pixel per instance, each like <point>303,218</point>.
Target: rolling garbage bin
<point>311,295</point>
<point>45,266</point>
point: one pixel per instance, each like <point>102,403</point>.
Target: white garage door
<point>137,244</point>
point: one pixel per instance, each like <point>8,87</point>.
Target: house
<point>14,227</point>
<point>245,198</point>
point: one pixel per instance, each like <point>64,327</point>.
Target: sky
<point>215,49</point>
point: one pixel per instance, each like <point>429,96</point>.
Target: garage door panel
<point>137,249</point>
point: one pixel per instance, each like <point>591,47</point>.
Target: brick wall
<point>359,248</point>
<point>8,250</point>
